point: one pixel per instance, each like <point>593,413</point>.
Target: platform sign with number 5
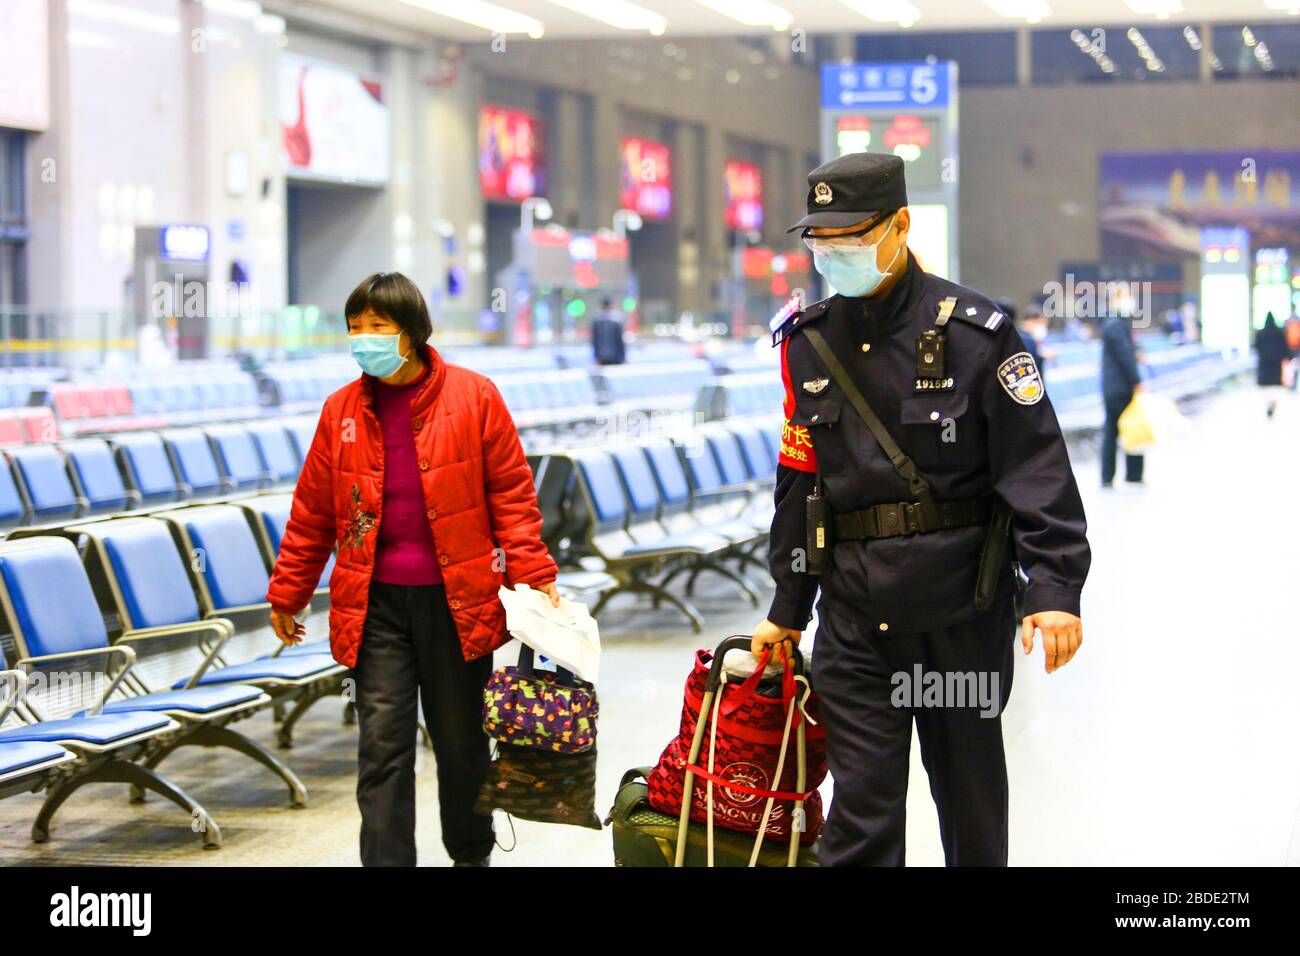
<point>885,85</point>
<point>910,110</point>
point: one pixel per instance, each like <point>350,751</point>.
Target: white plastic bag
<point>741,663</point>
<point>566,634</point>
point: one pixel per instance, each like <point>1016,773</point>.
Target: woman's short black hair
<point>395,297</point>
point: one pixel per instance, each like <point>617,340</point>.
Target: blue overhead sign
<point>865,86</point>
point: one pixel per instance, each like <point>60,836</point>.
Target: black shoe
<point>486,861</point>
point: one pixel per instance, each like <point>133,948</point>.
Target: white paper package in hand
<point>566,634</point>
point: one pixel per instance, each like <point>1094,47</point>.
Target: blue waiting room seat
<point>237,456</point>
<point>26,766</point>
<point>41,474</point>
<point>279,460</point>
<point>59,634</point>
<point>195,463</point>
<point>144,461</point>
<point>231,578</point>
<point>96,475</point>
<point>55,619</point>
<point>12,507</point>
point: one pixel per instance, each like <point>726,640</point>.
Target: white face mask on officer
<point>851,268</point>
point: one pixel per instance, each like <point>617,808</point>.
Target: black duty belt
<point>895,519</point>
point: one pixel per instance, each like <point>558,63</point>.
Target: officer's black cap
<point>853,188</point>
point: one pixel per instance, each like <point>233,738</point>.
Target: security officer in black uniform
<point>911,526</point>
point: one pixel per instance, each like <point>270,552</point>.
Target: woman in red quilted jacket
<point>417,477</point>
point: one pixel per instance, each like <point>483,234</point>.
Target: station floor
<point>1171,738</point>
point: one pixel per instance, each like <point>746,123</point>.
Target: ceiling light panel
<point>479,13</point>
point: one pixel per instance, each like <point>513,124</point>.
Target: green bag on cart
<point>645,837</point>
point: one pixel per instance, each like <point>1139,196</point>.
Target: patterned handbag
<point>542,787</point>
<point>545,711</point>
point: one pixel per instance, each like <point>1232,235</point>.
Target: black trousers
<point>868,713</point>
<point>1115,405</point>
<point>410,649</point>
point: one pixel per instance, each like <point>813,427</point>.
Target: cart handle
<point>740,641</point>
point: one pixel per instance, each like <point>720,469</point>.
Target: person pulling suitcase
<point>919,456</point>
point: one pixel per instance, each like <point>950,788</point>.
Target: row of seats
<point>544,387</point>
<point>148,634</point>
<point>292,387</point>
<point>19,426</point>
<point>1176,372</point>
<point>158,399</point>
<point>1075,389</point>
<point>661,386</point>
<point>181,399</point>
<point>538,394</point>
<point>17,384</point>
<point>553,399</point>
<point>165,608</point>
<point>644,512</point>
<point>43,483</point>
<point>732,396</point>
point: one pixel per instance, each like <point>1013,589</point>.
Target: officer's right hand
<point>768,633</point>
<point>287,627</point>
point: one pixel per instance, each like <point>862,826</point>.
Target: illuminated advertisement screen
<point>743,195</point>
<point>1225,310</point>
<point>1225,287</point>
<point>645,178</point>
<point>511,148</point>
<point>914,139</point>
<point>333,123</point>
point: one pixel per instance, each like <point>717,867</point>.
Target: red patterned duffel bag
<point>740,753</point>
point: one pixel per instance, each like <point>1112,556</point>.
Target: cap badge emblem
<point>822,195</point>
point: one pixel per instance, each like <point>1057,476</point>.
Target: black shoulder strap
<point>905,467</point>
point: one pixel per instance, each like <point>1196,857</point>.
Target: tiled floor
<point>1170,738</point>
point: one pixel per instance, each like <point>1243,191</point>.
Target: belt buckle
<point>889,518</point>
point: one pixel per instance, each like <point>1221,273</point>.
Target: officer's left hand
<point>1062,635</point>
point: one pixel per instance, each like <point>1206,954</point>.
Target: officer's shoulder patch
<point>1020,379</point>
<point>984,316</point>
<point>791,318</point>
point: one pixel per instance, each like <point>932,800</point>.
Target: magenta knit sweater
<point>404,551</point>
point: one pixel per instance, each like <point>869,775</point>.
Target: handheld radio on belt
<point>817,545</point>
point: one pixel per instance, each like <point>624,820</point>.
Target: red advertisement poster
<point>743,195</point>
<point>511,152</point>
<point>645,178</point>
